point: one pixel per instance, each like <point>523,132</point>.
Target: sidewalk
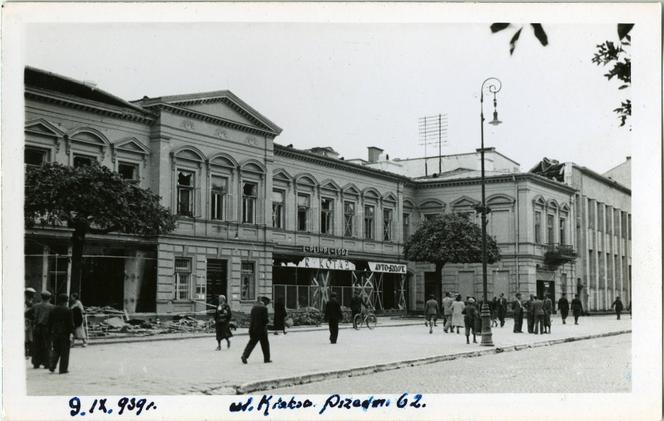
<point>193,367</point>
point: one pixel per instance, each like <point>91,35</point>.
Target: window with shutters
<point>249,195</point>
<point>326,216</point>
<point>185,190</point>
<point>182,278</point>
<point>248,281</point>
<point>303,205</point>
<point>278,199</point>
<point>218,192</point>
<point>369,222</point>
<point>387,224</point>
<point>349,218</point>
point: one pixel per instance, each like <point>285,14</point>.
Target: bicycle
<point>368,318</point>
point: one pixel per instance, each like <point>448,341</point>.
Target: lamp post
<point>493,85</point>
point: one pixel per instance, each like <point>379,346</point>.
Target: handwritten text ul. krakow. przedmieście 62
<point>334,402</point>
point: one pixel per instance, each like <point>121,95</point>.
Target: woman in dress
<point>77,311</point>
<point>457,313</point>
<point>222,318</point>
<point>279,316</point>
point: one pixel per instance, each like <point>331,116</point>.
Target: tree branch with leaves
<point>91,200</point>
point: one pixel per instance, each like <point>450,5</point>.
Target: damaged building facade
<point>257,218</point>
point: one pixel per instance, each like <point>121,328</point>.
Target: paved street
<point>192,366</point>
<point>601,365</point>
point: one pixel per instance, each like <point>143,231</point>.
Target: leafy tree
<point>617,57</point>
<point>608,53</point>
<point>91,199</point>
<point>450,238</point>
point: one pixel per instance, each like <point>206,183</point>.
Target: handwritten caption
<point>133,406</point>
<point>334,402</point>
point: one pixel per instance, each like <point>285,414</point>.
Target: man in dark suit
<point>538,313</point>
<point>517,308</point>
<point>563,305</point>
<point>333,315</point>
<point>258,321</point>
<point>355,305</point>
<point>502,309</point>
<point>60,328</point>
<point>41,337</point>
<point>577,308</point>
<point>528,305</point>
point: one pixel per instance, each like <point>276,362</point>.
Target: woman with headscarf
<point>222,318</point>
<point>457,313</point>
<point>78,312</point>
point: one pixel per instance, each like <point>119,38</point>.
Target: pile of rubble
<point>121,325</point>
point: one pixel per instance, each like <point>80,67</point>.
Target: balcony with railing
<point>559,254</point>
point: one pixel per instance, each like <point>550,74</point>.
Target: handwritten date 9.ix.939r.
<point>135,406</point>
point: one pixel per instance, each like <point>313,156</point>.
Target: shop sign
<point>387,267</point>
<point>331,251</point>
<point>323,263</point>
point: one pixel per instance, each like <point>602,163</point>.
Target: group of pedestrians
<point>458,314</point>
<point>49,329</point>
<point>258,324</point>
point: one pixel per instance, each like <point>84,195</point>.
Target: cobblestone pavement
<point>601,365</point>
<point>193,366</point>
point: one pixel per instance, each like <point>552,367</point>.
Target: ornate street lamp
<point>493,86</point>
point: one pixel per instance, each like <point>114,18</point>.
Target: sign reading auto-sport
<point>387,267</point>
<point>330,251</point>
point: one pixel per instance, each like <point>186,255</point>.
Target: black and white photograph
<point>333,210</point>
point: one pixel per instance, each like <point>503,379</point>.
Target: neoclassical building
<point>258,218</point>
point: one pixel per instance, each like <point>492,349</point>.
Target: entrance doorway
<point>545,288</point>
<point>217,282</point>
<point>432,285</point>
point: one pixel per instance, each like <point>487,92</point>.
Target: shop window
<point>369,218</point>
<point>387,224</point>
<point>549,229</point>
<point>538,227</point>
<point>182,278</point>
<point>249,194</point>
<point>349,217</point>
<point>326,216</point>
<point>35,157</point>
<point>303,204</point>
<point>218,192</point>
<point>406,226</point>
<point>128,171</point>
<point>83,161</point>
<point>562,227</point>
<point>185,193</point>
<point>248,281</point>
<point>278,208</point>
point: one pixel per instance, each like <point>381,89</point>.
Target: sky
<point>355,85</point>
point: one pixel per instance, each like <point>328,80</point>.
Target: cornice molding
<point>292,153</point>
<point>508,178</point>
<point>211,119</point>
<point>80,104</point>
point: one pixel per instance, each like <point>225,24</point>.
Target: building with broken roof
<point>256,218</point>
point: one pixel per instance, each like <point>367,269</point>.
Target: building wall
<point>604,237</point>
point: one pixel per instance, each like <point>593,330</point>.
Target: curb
<point>157,337</point>
<point>359,371</point>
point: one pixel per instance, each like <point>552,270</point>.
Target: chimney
<point>374,153</point>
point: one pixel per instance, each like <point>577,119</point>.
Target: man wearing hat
<point>333,315</point>
<point>258,321</point>
<point>60,328</point>
<point>41,338</point>
<point>27,311</point>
